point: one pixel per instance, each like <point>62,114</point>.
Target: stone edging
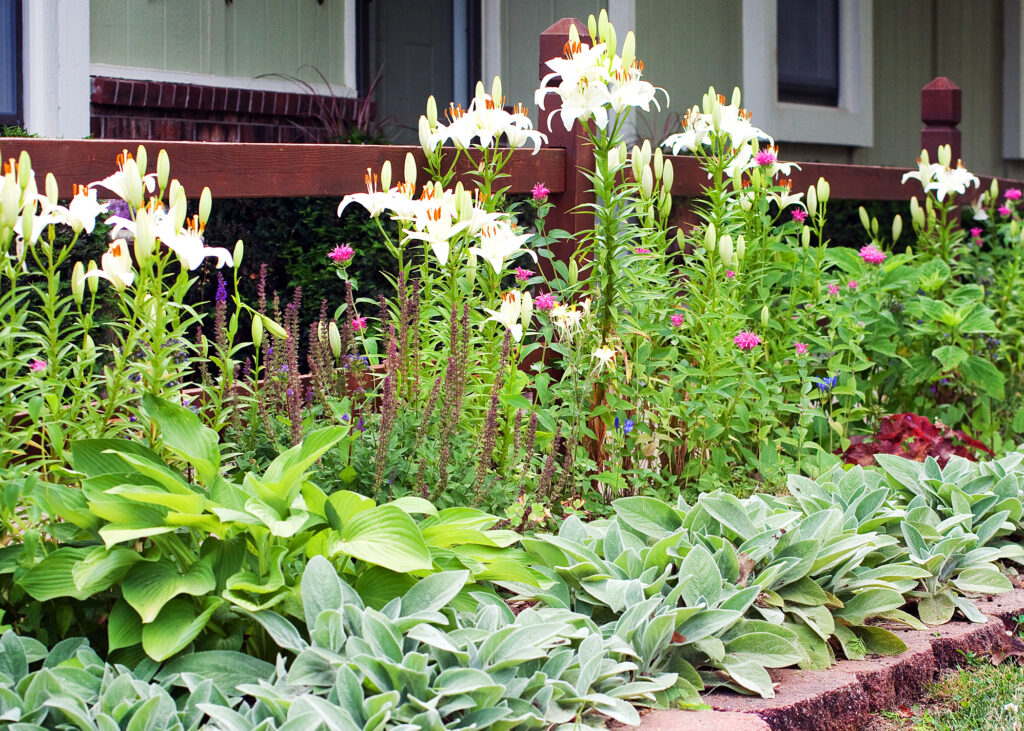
<point>840,699</point>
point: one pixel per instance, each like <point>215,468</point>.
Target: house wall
<point>245,39</point>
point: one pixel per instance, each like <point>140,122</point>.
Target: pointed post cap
<point>940,102</point>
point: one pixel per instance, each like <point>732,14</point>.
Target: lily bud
<point>471,268</point>
<point>52,194</point>
<point>410,169</point>
<point>805,236</point>
<point>423,130</point>
<point>634,160</point>
<point>668,176</point>
<point>664,204</point>
<point>924,158</point>
<point>612,40</point>
<point>659,163</point>
<point>273,328</point>
<point>764,316</point>
<point>649,218</point>
<point>133,184</point>
<point>78,282</point>
<point>645,151</point>
<point>916,214</point>
<point>945,155</point>
<point>179,209</point>
<point>993,190</point>
<point>613,159</point>
<point>163,169</point>
<point>874,227</point>
<point>334,338</point>
<point>236,255</point>
<point>602,25</point>
<point>716,117</point>
<point>710,100</point>
<point>142,160</point>
<point>527,309</point>
<point>145,239</point>
<point>24,170</point>
<point>646,182</point>
<point>496,90</point>
<point>93,282</point>
<point>205,204</point>
<point>710,236</point>
<point>823,190</point>
<point>591,29</point>
<point>736,96</point>
<point>897,228</point>
<point>257,331</point>
<point>725,250</point>
<point>574,272</point>
<point>863,212</point>
<point>28,221</point>
<point>628,50</point>
<point>812,200</point>
<point>741,248</point>
<point>88,352</point>
<point>432,112</point>
<point>479,92</point>
<point>385,175</point>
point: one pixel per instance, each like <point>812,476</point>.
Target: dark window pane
<point>808,51</point>
<point>10,66</point>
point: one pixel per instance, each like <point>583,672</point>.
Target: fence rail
<point>253,170</point>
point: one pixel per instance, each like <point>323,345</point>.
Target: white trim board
<point>1013,72</point>
<point>137,73</point>
<point>55,74</point>
<point>851,123</point>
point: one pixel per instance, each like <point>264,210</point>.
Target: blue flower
<point>627,427</point>
<point>826,384</point>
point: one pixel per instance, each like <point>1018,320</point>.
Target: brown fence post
<point>578,154</point>
<point>940,112</point>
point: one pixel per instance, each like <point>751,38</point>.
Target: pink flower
<point>852,284</point>
<point>1013,194</point>
<point>765,157</point>
<point>976,233</point>
<point>833,289</point>
<point>358,323</point>
<point>545,302</point>
<point>677,320</point>
<point>35,365</point>
<point>341,253</point>
<point>641,250</point>
<point>746,340</point>
<point>729,274</point>
<point>801,348</point>
<point>799,215</point>
<point>872,254</point>
<point>540,192</point>
<point>523,274</point>
<point>1004,211</point>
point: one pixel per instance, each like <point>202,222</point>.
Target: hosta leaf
<point>148,587</point>
<point>384,536</point>
<point>124,628</point>
<point>52,577</point>
<point>185,435</point>
<point>176,626</point>
<point>103,567</point>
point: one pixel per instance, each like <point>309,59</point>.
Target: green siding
<point>245,39</point>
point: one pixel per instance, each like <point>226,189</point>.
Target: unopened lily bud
<point>736,96</point>
<point>725,250</point>
<point>711,100</point>
<point>257,331</point>
<point>423,130</point>
<point>649,218</point>
<point>710,237</point>
<point>1014,228</point>
<point>142,160</point>
<point>273,328</point>
<point>385,175</point>
<point>93,282</point>
<point>574,272</point>
<point>668,176</point>
<point>205,204</point>
<point>28,221</point>
<point>646,182</point>
<point>334,338</point>
<point>897,228</point>
<point>645,152</point>
<point>764,316</point>
<point>24,170</point>
<point>628,50</point>
<point>924,158</point>
<point>716,117</point>
<point>163,169</point>
<point>805,236</point>
<point>613,159</point>
<point>471,264</point>
<point>52,194</point>
<point>916,213</point>
<point>145,238</point>
<point>172,192</point>
<point>659,163</point>
<point>993,190</point>
<point>236,255</point>
<point>636,162</point>
<point>945,155</point>
<point>479,92</point>
<point>432,112</point>
<point>527,309</point>
<point>78,282</point>
<point>496,90</point>
<point>179,209</point>
<point>133,184</point>
<point>823,190</point>
<point>410,169</point>
<point>88,352</point>
<point>602,25</point>
<point>863,212</point>
<point>612,39</point>
<point>928,206</point>
<point>812,200</point>
<point>591,29</point>
<point>741,248</point>
<point>874,227</point>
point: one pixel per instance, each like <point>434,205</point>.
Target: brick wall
<point>157,110</point>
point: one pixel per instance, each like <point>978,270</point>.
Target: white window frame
<point>851,122</point>
<point>1013,72</point>
<point>55,67</point>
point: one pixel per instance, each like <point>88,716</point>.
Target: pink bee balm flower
<point>852,284</point>
<point>1004,211</point>
<point>765,157</point>
<point>677,320</point>
<point>358,323</point>
<point>799,215</point>
<point>540,192</point>
<point>545,302</point>
<point>746,340</point>
<point>801,348</point>
<point>641,250</point>
<point>523,274</point>
<point>729,274</point>
<point>341,253</point>
<point>872,254</point>
<point>833,289</point>
<point>1013,194</point>
<point>35,365</point>
<point>976,233</point>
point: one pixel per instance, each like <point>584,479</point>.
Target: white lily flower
<point>434,225</point>
<point>84,208</point>
<point>734,121</point>
<point>115,266</point>
<point>128,183</point>
<point>509,313</point>
<point>373,200</point>
<point>189,247</point>
<point>498,243</point>
<point>952,181</point>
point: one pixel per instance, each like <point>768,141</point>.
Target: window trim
<point>1013,68</point>
<point>18,119</point>
<point>851,123</point>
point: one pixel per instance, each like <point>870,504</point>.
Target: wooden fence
<point>253,170</point>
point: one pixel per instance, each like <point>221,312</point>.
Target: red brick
<point>231,101</point>
<point>220,96</point>
<point>104,90</point>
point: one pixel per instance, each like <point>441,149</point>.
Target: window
<point>808,51</point>
<point>10,61</point>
